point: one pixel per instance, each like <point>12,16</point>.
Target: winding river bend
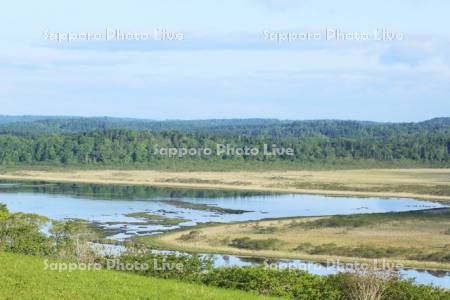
<point>117,210</point>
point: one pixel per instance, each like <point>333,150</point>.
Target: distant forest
<point>75,141</point>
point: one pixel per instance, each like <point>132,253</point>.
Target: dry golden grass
<point>416,234</point>
<point>411,183</point>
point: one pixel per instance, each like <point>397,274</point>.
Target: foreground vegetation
<point>417,239</point>
<point>24,277</point>
<point>67,244</point>
<point>431,184</point>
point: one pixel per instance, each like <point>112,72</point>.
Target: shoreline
<point>165,241</point>
<point>405,264</point>
<point>278,182</point>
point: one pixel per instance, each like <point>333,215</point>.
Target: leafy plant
<point>255,244</point>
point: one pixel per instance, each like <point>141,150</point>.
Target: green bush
<point>393,288</point>
<point>364,251</point>
<point>255,244</point>
<point>191,236</point>
<point>288,283</point>
<point>21,233</point>
<point>185,267</point>
<point>407,290</point>
<point>338,222</point>
<point>442,255</point>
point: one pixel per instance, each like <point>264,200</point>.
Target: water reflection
<point>109,207</point>
<point>436,277</point>
<point>110,192</point>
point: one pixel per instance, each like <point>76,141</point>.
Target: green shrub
<point>191,236</point>
<point>254,244</point>
<point>407,290</point>
<point>288,283</point>
<point>393,288</point>
<point>442,255</point>
<point>338,221</point>
<point>21,233</point>
<point>185,267</point>
<point>70,240</point>
<point>364,251</point>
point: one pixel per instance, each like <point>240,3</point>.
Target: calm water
<point>62,202</point>
<point>436,278</point>
<point>110,204</point>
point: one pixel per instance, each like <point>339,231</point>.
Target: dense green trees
<point>128,147</point>
<point>312,141</point>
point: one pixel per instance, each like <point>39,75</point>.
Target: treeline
<point>127,147</point>
<point>29,125</point>
<point>262,128</point>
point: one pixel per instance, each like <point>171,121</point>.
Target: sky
<point>286,59</point>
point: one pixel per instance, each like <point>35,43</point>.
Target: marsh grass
<point>156,219</point>
<point>433,184</point>
<point>205,207</point>
<point>193,235</point>
<point>337,222</point>
<point>416,239</point>
<point>255,244</point>
<point>364,251</point>
<point>264,229</point>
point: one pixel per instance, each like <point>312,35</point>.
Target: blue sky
<point>224,67</point>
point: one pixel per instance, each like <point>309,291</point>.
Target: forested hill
<point>31,125</point>
<point>111,141</point>
<point>37,125</point>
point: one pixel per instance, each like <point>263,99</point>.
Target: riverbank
<point>417,239</point>
<point>427,184</point>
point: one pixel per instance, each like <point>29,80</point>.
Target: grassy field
<point>432,184</point>
<point>24,277</point>
<point>416,239</point>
